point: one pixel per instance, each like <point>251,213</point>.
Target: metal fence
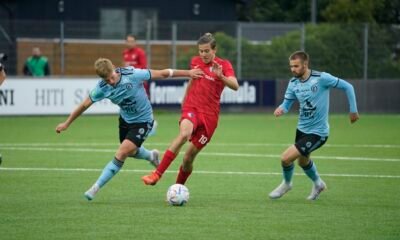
<point>257,50</point>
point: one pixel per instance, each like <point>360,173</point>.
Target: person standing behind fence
<point>135,56</point>
<point>2,74</point>
<point>36,65</point>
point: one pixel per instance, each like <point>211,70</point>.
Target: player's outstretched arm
<point>169,73</point>
<point>74,115</point>
<point>231,82</point>
<point>351,97</point>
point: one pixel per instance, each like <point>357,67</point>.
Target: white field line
<point>199,172</point>
<point>211,144</point>
<point>236,155</point>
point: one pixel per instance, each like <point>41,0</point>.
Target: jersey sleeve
<point>141,75</point>
<point>289,99</point>
<point>142,59</point>
<point>329,80</point>
<point>227,69</point>
<point>193,63</point>
<point>335,82</point>
<point>97,94</point>
<point>350,93</point>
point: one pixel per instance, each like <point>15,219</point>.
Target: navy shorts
<point>307,143</point>
<point>135,132</point>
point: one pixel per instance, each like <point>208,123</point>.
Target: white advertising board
<point>48,96</point>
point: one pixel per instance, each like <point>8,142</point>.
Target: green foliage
<point>335,48</point>
<point>338,11</point>
<point>346,11</point>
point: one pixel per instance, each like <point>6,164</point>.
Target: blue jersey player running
<point>124,87</point>
<point>311,89</point>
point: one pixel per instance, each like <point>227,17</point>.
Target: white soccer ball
<point>177,195</point>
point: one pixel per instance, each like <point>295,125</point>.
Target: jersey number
<point>203,139</point>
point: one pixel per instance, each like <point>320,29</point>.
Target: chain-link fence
<point>257,50</point>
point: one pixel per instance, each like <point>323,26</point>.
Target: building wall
<point>210,10</point>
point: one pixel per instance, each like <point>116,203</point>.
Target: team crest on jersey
<point>314,88</point>
<point>129,86</point>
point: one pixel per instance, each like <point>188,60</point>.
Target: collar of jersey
<point>307,78</point>
<point>120,77</point>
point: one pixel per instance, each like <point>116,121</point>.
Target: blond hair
<point>103,67</point>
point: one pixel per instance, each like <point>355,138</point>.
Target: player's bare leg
<point>185,131</point>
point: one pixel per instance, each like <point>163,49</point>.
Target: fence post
<point>148,43</point>
<point>303,37</point>
<point>239,51</point>
<point>62,56</point>
<point>174,39</point>
<point>365,67</point>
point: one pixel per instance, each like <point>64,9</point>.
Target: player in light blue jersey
<point>124,87</point>
<point>311,89</point>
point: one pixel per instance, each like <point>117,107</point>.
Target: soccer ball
<point>177,195</point>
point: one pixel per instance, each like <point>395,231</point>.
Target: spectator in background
<point>2,74</point>
<point>36,65</point>
<point>134,56</point>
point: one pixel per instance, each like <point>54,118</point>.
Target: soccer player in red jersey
<point>200,109</point>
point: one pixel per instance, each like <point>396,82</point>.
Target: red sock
<point>166,161</point>
<point>182,176</point>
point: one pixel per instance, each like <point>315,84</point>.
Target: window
<point>112,23</point>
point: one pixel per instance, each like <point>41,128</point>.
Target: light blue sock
<point>288,173</point>
<point>143,153</point>
<point>153,129</point>
<point>109,172</point>
<point>311,171</point>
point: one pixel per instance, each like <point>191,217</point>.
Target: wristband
<point>171,72</point>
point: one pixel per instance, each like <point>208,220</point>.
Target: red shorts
<point>203,126</point>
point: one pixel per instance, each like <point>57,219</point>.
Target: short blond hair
<point>103,67</point>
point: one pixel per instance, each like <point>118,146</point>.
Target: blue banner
<point>254,93</point>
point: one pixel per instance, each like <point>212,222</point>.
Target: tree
<point>352,11</point>
<point>338,11</point>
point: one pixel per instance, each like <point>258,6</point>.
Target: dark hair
<point>303,56</point>
<point>207,38</point>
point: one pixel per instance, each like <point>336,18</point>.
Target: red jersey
<point>205,93</point>
<point>135,57</point>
